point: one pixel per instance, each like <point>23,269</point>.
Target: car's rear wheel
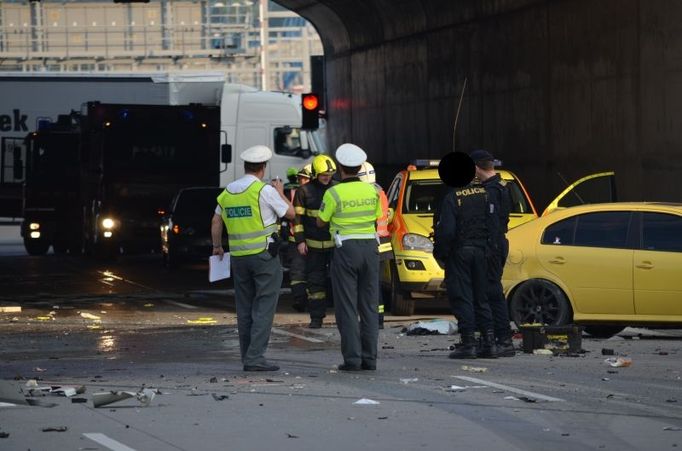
<point>603,331</point>
<point>401,303</point>
<point>540,301</point>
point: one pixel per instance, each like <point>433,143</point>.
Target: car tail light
<point>177,229</point>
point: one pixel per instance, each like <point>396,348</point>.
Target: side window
<point>394,192</point>
<point>607,229</point>
<point>661,232</point>
<point>519,203</point>
<point>291,142</point>
<point>560,233</point>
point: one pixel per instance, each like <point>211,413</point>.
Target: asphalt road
<point>134,324</point>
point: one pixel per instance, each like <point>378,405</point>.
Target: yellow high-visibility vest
<point>246,233</point>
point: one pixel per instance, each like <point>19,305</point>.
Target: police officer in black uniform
<point>460,240</point>
<point>499,207</point>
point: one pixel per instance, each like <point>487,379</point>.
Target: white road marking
<point>180,304</point>
<point>529,394</point>
<point>302,337</point>
<point>107,442</point>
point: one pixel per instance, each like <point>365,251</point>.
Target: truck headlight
<point>34,226</point>
<point>108,223</point>
<point>416,242</point>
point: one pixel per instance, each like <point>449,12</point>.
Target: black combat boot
<point>381,320</point>
<point>505,347</point>
<point>488,348</point>
<point>467,349</point>
<point>300,297</point>
<point>315,323</point>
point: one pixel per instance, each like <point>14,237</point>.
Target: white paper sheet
<point>218,269</point>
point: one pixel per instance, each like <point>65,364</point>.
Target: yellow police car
<point>414,274</point>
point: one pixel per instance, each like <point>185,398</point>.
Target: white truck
<point>31,101</point>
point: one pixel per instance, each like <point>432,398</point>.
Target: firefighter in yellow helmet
<point>313,241</point>
<point>249,208</point>
<point>297,276</point>
<point>368,175</point>
<point>351,208</point>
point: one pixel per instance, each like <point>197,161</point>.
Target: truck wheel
<point>401,304</point>
<point>36,247</point>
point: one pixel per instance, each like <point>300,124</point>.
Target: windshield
<point>54,156</point>
<point>422,196</point>
<point>298,143</point>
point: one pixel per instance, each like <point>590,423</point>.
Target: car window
<point>519,202</point>
<point>394,192</point>
<point>422,196</point>
<point>604,229</point>
<point>661,232</point>
<point>197,202</point>
<point>560,233</point>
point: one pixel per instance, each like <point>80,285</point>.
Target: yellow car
<point>606,266</point>
<point>413,273</point>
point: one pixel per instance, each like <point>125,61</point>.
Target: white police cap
<point>256,154</point>
<point>350,155</point>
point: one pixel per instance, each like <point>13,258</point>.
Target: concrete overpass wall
<point>569,86</point>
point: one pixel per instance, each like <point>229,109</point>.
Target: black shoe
<point>505,348</point>
<point>466,350</point>
<point>315,323</point>
<point>369,366</point>
<point>263,367</point>
<point>348,367</point>
<point>487,348</point>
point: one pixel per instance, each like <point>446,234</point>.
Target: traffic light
<point>310,108</point>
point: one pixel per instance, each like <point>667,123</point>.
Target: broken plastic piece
<point>606,351</point>
<point>55,429</point>
<point>474,369</point>
<point>90,316</point>
<point>366,401</point>
<point>618,362</point>
<point>4,434</point>
<point>456,388</point>
<point>408,380</point>
<point>219,397</point>
<point>543,352</point>
<point>144,396</point>
<point>206,320</point>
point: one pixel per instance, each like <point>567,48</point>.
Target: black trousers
<point>317,275</point>
<point>465,282</point>
<point>499,308</point>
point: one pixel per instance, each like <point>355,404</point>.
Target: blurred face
<point>324,178</point>
<point>303,180</point>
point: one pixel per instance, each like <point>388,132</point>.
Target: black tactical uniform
<point>320,246</point>
<point>499,206</point>
<point>461,237</point>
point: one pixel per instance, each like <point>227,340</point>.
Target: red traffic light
<point>310,102</point>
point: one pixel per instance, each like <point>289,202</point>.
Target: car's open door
<point>592,189</point>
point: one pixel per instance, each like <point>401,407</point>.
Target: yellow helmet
<point>323,164</point>
<point>366,173</point>
<point>306,171</point>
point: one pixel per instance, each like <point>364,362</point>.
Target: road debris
<point>455,388</point>
<point>474,369</point>
<point>213,380</point>
<point>366,402</point>
<point>606,351</point>
<point>204,320</point>
<point>408,380</point>
<point>10,309</point>
<point>90,316</point>
<point>55,429</point>
<point>39,369</point>
<point>618,362</point>
<point>4,434</point>
<point>219,397</point>
<point>292,435</point>
<point>511,398</point>
<point>542,352</point>
<point>527,399</point>
<point>144,396</point>
<point>672,428</point>
<point>432,327</point>
<point>79,400</point>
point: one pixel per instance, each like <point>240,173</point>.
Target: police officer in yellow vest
<point>250,209</point>
<point>352,208</point>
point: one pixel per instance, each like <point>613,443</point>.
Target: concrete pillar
<point>264,45</point>
<point>167,24</point>
<point>36,26</point>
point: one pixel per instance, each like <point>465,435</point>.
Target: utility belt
<point>319,244</point>
<point>339,239</point>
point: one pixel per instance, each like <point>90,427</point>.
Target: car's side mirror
<point>226,153</point>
